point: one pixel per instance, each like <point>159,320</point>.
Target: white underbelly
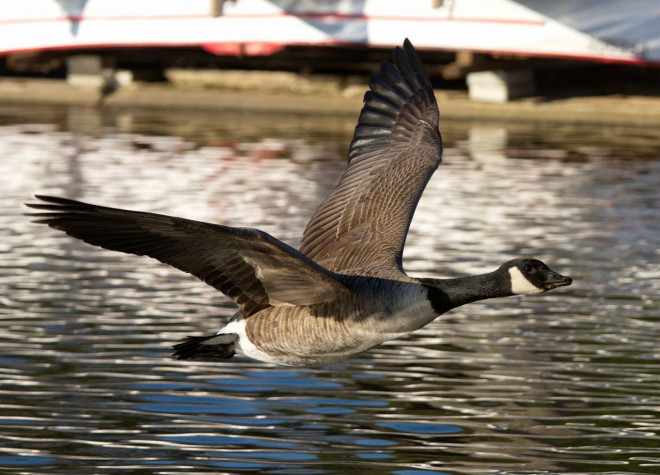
<point>243,345</point>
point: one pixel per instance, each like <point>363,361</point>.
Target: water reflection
<point>563,383</point>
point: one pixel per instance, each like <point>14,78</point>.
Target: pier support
<point>500,86</point>
<point>94,71</point>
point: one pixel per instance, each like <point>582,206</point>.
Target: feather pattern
<point>250,266</point>
<point>361,227</point>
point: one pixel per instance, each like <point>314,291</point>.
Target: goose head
<point>531,276</point>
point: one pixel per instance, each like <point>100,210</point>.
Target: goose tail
<point>206,347</point>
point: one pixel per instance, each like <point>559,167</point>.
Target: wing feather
<point>361,227</point>
<point>250,266</point>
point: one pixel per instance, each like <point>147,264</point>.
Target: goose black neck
<point>445,294</point>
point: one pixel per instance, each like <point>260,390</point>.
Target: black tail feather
<point>199,347</point>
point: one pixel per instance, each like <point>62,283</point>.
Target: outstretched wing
<point>250,266</point>
<point>361,227</point>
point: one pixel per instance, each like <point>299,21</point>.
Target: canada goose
<point>345,290</point>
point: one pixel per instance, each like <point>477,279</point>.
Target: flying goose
<point>345,290</point>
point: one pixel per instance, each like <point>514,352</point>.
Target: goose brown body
<point>329,332</point>
<point>345,290</point>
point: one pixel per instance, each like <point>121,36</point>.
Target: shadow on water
<point>560,383</point>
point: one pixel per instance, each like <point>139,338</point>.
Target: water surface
<point>566,382</point>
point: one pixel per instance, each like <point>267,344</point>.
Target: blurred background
<point>240,112</point>
<point>496,51</point>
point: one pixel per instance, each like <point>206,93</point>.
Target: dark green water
<point>567,382</point>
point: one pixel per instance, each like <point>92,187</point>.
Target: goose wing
<point>250,266</point>
<point>361,227</point>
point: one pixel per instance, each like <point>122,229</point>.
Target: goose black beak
<point>554,280</point>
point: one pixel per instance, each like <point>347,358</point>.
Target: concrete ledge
<point>628,110</point>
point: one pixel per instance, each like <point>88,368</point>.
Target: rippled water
<point>566,382</point>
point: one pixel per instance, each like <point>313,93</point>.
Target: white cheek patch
<point>520,285</point>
